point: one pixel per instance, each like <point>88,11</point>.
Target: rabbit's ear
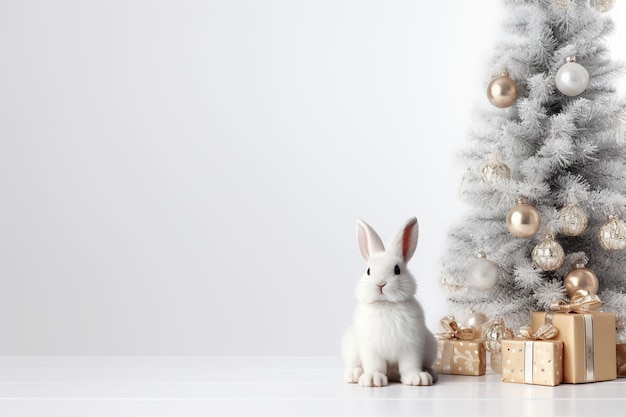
<point>404,242</point>
<point>369,241</point>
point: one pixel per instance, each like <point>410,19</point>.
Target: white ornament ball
<point>612,234</point>
<point>483,274</point>
<point>572,79</point>
<point>475,319</point>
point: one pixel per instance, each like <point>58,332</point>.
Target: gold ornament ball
<point>603,5</point>
<point>580,278</point>
<point>502,91</point>
<point>548,254</point>
<point>523,220</point>
<point>612,234</point>
<point>573,220</point>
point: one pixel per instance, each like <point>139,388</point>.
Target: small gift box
<point>621,360</point>
<point>588,337</point>
<point>533,359</point>
<point>460,351</point>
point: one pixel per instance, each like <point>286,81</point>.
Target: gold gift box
<point>588,339</point>
<point>621,360</point>
<point>461,357</point>
<point>538,362</point>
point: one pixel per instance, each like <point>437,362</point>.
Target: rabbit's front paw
<point>417,378</point>
<point>352,375</point>
<point>373,379</point>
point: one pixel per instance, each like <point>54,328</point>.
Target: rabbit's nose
<point>380,286</point>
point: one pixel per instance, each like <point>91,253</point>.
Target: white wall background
<point>183,177</point>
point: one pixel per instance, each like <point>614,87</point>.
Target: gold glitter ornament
<point>580,278</point>
<point>493,334</point>
<point>612,234</point>
<point>573,220</point>
<point>523,220</point>
<point>495,170</point>
<point>502,91</point>
<point>548,254</point>
<point>603,5</point>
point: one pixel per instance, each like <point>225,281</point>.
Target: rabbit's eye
<point>368,271</point>
<point>397,270</point>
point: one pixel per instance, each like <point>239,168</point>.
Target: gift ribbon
<point>580,302</point>
<point>454,331</point>
<point>589,354</point>
<point>529,353</point>
<point>545,332</point>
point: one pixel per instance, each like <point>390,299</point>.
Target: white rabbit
<point>389,340</point>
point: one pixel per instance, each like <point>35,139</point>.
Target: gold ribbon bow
<point>581,302</point>
<point>454,331</point>
<point>545,332</point>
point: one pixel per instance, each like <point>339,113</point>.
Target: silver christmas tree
<point>546,170</point>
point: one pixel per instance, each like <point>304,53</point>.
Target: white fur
<point>389,340</point>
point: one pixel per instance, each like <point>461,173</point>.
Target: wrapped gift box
<point>621,360</point>
<point>461,357</point>
<point>588,344</point>
<point>538,362</point>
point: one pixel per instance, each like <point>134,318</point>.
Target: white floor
<point>230,386</point>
